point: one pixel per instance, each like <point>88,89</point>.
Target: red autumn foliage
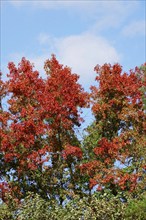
<point>72,151</point>
<point>120,122</point>
<point>38,145</point>
<point>41,116</point>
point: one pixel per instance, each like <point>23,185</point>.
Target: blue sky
<point>80,33</point>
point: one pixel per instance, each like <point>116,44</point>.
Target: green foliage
<point>95,207</point>
<point>5,212</point>
<point>136,209</point>
<point>36,208</point>
<point>90,140</point>
<point>143,89</point>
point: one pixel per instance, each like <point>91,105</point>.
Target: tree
<point>38,144</point>
<point>45,166</point>
<point>118,159</point>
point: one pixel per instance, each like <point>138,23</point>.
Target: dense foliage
<point>46,172</point>
<point>119,130</point>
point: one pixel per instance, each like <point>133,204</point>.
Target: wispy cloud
<point>114,14</point>
<point>17,3</point>
<point>135,28</point>
<point>104,14</point>
<point>50,4</point>
<point>44,38</point>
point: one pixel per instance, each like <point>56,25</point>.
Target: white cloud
<point>96,10</point>
<point>135,28</point>
<point>80,52</point>
<point>83,52</point>
<point>18,3</point>
<point>58,4</point>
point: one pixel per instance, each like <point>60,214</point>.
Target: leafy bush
<point>136,209</point>
<point>5,212</point>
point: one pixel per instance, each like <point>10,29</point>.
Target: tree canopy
<point>45,165</point>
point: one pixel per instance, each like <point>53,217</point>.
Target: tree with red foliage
<point>39,150</point>
<point>37,134</point>
<point>117,159</point>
